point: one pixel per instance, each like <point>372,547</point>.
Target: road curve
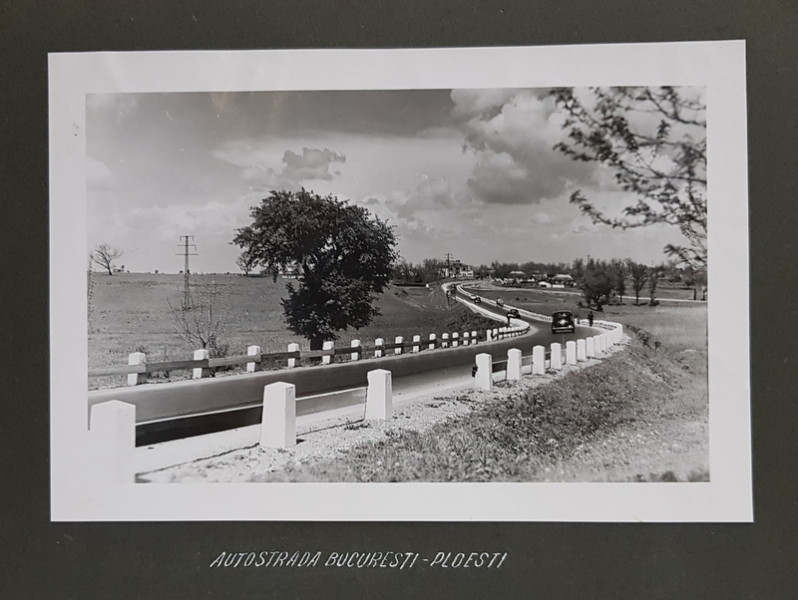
<point>215,404</point>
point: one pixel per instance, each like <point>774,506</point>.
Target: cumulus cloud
<point>512,134</point>
<point>311,164</point>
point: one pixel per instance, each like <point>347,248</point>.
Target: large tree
<point>597,283</point>
<point>654,141</point>
<point>639,275</point>
<point>343,256</point>
<point>104,256</point>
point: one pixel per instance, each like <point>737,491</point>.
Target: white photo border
<point>719,66</point>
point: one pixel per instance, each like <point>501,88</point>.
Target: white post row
<point>112,441</point>
<point>570,353</point>
<point>538,360</point>
<point>513,364</point>
<point>329,345</point>
<point>379,401</point>
<point>378,343</point>
<point>556,356</point>
<point>580,350</point>
<point>483,379</point>
<point>201,354</point>
<point>278,420</point>
<point>293,362</point>
<point>398,340</point>
<point>416,343</point>
<point>355,344</point>
<point>134,359</point>
<point>253,366</point>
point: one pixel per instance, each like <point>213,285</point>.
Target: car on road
<point>563,322</point>
<point>476,299</point>
<point>513,312</point>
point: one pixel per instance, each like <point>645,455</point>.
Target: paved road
<point>214,404</point>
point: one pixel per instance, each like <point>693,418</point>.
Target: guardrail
<point>202,365</point>
<point>113,423</point>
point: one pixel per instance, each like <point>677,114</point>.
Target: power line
<point>186,271</point>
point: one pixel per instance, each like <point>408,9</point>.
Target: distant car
<point>476,299</point>
<point>513,312</point>
<point>563,322</point>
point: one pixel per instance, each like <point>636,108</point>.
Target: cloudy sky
<point>469,172</point>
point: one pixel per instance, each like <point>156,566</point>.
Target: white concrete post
<point>483,380</point>
<point>136,358</point>
<point>293,362</point>
<point>590,347</point>
<point>379,402</point>
<point>610,341</point>
<point>253,366</point>
<point>355,344</point>
<point>466,338</point>
<point>474,338</point>
<point>201,354</point>
<point>112,441</point>
<point>600,348</point>
<point>399,340</point>
<point>444,340</point>
<point>556,356</point>
<point>416,343</point>
<point>455,339</point>
<point>378,343</point>
<point>278,423</point>
<point>538,360</point>
<point>570,353</point>
<point>432,341</point>
<point>329,345</point>
<point>488,335</point>
<point>513,364</point>
<point>580,350</point>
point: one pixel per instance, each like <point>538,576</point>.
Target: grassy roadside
<point>639,415</point>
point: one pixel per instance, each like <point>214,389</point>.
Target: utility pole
<point>186,239</point>
<point>449,258</point>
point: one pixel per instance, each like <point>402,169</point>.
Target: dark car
<point>563,322</point>
<point>513,312</point>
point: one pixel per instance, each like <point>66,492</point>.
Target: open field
<point>130,312</point>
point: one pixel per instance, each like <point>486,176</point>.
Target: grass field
<point>130,312</point>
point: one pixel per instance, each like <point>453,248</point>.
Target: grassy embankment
<point>639,415</point>
<point>131,313</point>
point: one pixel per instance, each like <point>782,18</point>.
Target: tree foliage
<point>343,256</point>
<point>104,256</point>
<point>654,140</point>
<point>639,275</point>
<point>597,283</point>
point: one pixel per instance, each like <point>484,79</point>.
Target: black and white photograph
<point>475,284</point>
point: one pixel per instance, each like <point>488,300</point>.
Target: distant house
<point>563,279</point>
<point>517,276</point>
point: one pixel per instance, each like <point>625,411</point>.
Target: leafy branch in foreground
<point>654,140</point>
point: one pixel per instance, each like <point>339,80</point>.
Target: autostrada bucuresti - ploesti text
<point>359,560</point>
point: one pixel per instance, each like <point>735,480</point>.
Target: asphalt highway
<point>181,409</point>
